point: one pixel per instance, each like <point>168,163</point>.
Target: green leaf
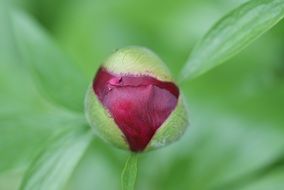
<point>59,80</point>
<point>233,33</point>
<point>22,135</point>
<point>26,119</point>
<point>55,164</point>
<point>7,53</point>
<point>272,180</point>
<point>129,173</point>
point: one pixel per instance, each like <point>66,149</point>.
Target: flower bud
<point>133,102</point>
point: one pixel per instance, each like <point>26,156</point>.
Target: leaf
<point>54,166</point>
<point>26,119</point>
<point>268,176</point>
<point>22,135</point>
<point>7,53</point>
<point>59,80</point>
<point>217,153</point>
<point>273,180</point>
<point>129,173</point>
<point>233,33</point>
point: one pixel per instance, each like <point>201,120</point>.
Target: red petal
<point>138,104</point>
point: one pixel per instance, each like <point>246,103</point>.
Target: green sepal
<point>102,122</point>
<point>172,129</point>
<point>137,60</point>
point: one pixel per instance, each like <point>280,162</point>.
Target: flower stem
<point>129,172</point>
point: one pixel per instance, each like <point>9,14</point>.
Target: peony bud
<point>133,102</point>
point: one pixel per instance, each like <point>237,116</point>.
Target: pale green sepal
<point>137,60</point>
<point>102,122</point>
<point>172,129</point>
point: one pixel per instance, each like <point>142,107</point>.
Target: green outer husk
<point>101,120</point>
<point>172,129</point>
<point>137,60</point>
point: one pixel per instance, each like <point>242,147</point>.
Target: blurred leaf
<point>129,173</point>
<point>54,166</point>
<point>57,78</point>
<point>218,148</point>
<point>23,135</point>
<point>100,168</point>
<point>10,180</point>
<point>233,33</point>
<point>7,53</point>
<point>26,119</point>
<point>261,175</point>
<point>273,180</point>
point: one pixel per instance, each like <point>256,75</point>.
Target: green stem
<point>129,173</point>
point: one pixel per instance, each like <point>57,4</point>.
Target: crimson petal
<point>138,104</point>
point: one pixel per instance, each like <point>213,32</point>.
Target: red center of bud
<point>138,104</point>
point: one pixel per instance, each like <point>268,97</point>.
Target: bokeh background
<point>236,137</point>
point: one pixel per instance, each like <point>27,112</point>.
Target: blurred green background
<point>236,137</point>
